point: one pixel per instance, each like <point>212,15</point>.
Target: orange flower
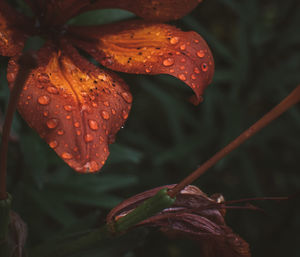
<point>78,107</point>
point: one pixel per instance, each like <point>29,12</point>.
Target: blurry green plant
<point>256,48</point>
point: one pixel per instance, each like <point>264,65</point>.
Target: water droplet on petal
<point>67,156</point>
<point>124,114</point>
<point>45,113</point>
<point>68,108</point>
<point>68,117</point>
<point>200,54</point>
<point>105,115</point>
<point>76,124</point>
<point>43,78</point>
<point>88,138</point>
<point>182,47</point>
<point>44,100</point>
<point>127,97</point>
<point>193,76</point>
<point>182,77</point>
<point>52,123</point>
<point>60,132</point>
<point>204,66</point>
<point>52,90</point>
<point>93,124</point>
<point>113,111</point>
<point>106,103</point>
<point>53,144</point>
<point>168,62</point>
<point>101,139</point>
<point>174,40</point>
<point>78,132</point>
<point>91,166</point>
<point>147,70</point>
<point>196,70</point>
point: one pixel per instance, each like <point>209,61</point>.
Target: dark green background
<point>256,46</point>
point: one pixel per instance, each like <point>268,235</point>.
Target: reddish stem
<point>285,104</point>
<point>26,64</point>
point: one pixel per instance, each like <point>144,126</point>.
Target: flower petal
<point>149,48</point>
<point>11,39</point>
<point>163,10</point>
<point>75,106</point>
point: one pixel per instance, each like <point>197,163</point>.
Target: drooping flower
<point>193,215</point>
<point>78,107</point>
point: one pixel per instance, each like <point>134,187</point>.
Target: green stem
<point>147,209</point>
<point>292,99</point>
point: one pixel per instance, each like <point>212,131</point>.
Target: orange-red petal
<point>11,38</point>
<point>75,106</point>
<point>162,10</point>
<point>150,48</point>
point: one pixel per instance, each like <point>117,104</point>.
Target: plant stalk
<point>292,99</point>
<point>26,64</point>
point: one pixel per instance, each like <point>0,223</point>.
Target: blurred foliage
<point>256,45</point>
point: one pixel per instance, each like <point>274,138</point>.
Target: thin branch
<point>26,63</point>
<point>284,105</point>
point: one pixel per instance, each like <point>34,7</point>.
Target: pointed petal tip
<point>150,48</point>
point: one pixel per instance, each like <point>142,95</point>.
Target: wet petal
<point>11,38</point>
<point>75,106</point>
<point>150,48</point>
<point>163,10</point>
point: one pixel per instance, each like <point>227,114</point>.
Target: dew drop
<point>193,76</point>
<point>124,114</point>
<point>76,124</point>
<point>101,139</point>
<point>200,54</point>
<point>127,97</point>
<point>168,62</point>
<point>105,115</point>
<point>60,132</point>
<point>93,124</point>
<point>68,117</point>
<point>182,68</point>
<point>29,97</point>
<point>182,77</point>
<point>174,40</point>
<point>68,108</point>
<point>204,66</point>
<point>113,111</point>
<point>52,123</point>
<point>95,105</point>
<point>45,113</point>
<point>43,78</point>
<point>106,103</point>
<point>147,70</point>
<point>78,132</point>
<point>53,144</point>
<point>196,70</point>
<point>91,166</point>
<point>66,156</point>
<point>88,138</point>
<point>52,90</point>
<point>44,100</point>
<point>182,47</point>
